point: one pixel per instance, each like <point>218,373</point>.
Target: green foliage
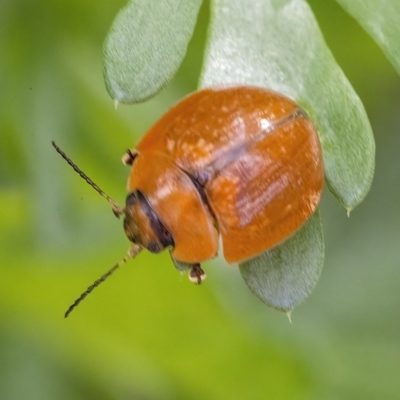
<point>286,275</point>
<point>380,18</point>
<point>146,45</point>
<point>147,333</point>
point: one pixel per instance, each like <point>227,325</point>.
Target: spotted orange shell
<point>241,162</point>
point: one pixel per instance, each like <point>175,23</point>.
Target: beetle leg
<point>196,274</point>
<point>129,157</point>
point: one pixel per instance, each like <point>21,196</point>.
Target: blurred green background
<point>147,333</point>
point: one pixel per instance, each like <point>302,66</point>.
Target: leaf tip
<point>289,315</point>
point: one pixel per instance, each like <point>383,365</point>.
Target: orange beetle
<point>242,162</point>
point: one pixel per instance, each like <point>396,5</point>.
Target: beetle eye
<point>131,199</point>
<point>153,247</point>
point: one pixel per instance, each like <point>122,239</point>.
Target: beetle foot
<point>196,274</point>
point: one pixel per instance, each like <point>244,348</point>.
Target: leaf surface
<point>277,44</point>
<point>146,45</point>
<point>287,274</point>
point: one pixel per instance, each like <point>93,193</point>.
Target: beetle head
<point>142,225</point>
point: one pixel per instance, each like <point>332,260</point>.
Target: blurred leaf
<point>181,266</point>
<point>381,19</point>
<point>148,333</point>
<point>146,330</point>
<point>146,45</point>
<point>277,44</point>
<point>287,274</point>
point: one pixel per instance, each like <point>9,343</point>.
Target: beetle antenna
<point>117,210</point>
<point>133,251</point>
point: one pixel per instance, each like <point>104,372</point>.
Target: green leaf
<point>277,44</point>
<point>180,266</point>
<point>146,45</point>
<point>286,275</point>
<point>381,19</point>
